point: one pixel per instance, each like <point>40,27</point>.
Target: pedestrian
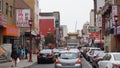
<point>19,52</point>
<point>26,52</point>
<point>14,55</point>
<point>22,53</point>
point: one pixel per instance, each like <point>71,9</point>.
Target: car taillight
<point>116,65</point>
<point>57,61</point>
<point>51,54</point>
<point>79,61</point>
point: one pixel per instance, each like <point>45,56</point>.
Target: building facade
<point>108,26</point>
<point>92,17</point>
<point>8,30</point>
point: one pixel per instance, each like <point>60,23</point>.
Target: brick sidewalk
<point>22,64</point>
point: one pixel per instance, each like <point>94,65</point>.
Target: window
<point>11,11</point>
<point>107,57</point>
<point>7,7</point>
<point>0,5</point>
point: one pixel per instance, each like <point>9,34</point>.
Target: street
<point>85,64</point>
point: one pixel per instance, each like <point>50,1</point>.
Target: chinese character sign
<point>22,17</point>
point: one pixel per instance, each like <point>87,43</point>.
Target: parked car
<point>95,54</point>
<point>110,60</point>
<point>68,59</point>
<point>45,56</point>
<point>96,58</point>
<point>56,52</point>
<point>89,52</point>
<point>85,50</point>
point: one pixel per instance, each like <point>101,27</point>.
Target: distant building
<point>92,18</point>
<point>64,30</point>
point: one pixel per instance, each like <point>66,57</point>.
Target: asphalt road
<point>85,64</point>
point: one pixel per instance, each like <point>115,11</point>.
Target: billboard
<point>46,25</point>
<point>22,17</point>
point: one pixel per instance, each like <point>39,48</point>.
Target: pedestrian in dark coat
<point>14,56</point>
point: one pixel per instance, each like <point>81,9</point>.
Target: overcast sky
<point>72,12</point>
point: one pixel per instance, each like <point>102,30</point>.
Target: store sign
<point>2,20</point>
<point>94,34</point>
<point>22,17</point>
<point>99,20</point>
<point>114,13</point>
<point>91,29</point>
<point>118,30</point>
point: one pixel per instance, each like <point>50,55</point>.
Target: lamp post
<point>116,19</point>
<point>30,56</point>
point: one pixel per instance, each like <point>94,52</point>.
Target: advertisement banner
<point>22,17</point>
<point>114,13</point>
<point>3,20</point>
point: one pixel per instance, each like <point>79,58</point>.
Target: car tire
<point>38,62</point>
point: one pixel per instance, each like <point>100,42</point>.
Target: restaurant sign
<point>22,17</point>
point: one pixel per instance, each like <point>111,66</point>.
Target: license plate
<point>44,55</point>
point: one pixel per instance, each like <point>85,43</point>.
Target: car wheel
<point>38,62</point>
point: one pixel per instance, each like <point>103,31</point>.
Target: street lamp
<point>116,19</point>
<point>30,56</point>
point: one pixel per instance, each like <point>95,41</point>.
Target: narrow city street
<point>85,64</point>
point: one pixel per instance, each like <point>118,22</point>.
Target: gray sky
<point>71,11</point>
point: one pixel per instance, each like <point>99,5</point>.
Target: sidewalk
<point>22,64</point>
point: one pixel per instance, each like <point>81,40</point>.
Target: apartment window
<point>11,11</point>
<point>7,7</point>
<point>0,5</point>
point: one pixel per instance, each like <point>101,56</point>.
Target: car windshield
<point>116,57</point>
<point>45,51</point>
<point>68,56</point>
<point>101,54</point>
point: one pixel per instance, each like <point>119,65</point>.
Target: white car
<point>89,52</point>
<point>110,60</point>
<point>68,59</point>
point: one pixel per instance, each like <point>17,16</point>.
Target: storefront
<point>10,34</point>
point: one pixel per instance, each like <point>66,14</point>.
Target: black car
<point>45,56</point>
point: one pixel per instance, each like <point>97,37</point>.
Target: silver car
<point>68,59</point>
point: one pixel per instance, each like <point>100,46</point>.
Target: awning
<point>27,33</point>
<point>11,30</point>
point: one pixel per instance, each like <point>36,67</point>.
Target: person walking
<point>19,52</point>
<point>26,52</point>
<point>14,55</point>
